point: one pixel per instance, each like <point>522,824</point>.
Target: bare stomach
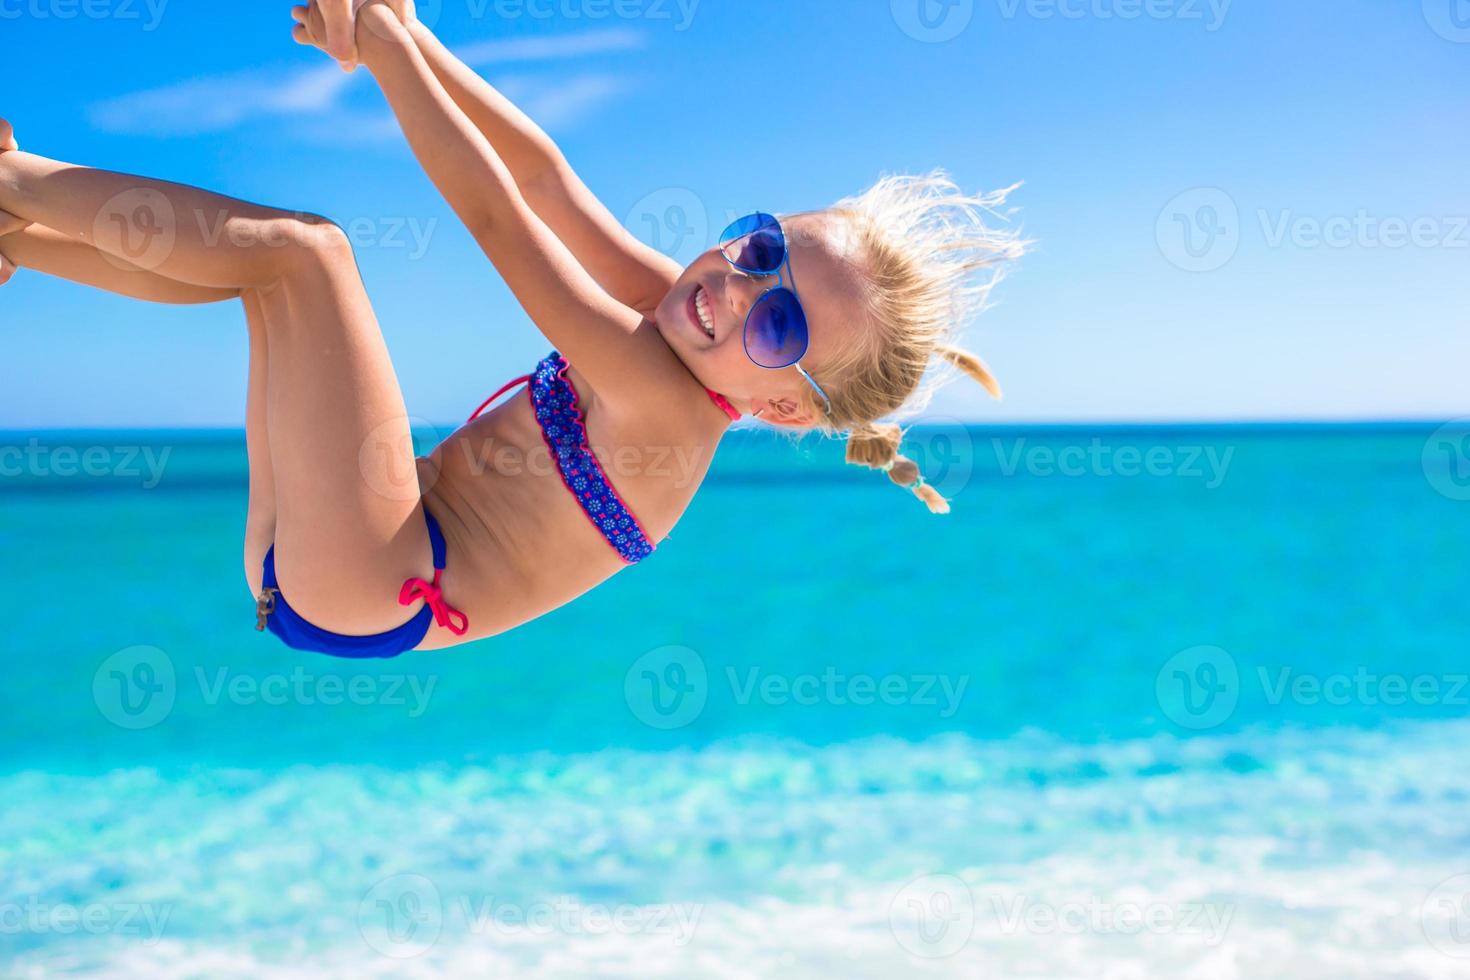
<point>518,543</point>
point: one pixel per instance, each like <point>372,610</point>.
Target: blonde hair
<point>930,260</point>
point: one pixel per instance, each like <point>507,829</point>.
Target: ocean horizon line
<point>1274,425</point>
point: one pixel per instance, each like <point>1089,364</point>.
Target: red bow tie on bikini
<point>445,615</point>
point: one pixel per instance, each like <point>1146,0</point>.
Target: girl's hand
<point>311,26</point>
<point>331,26</point>
<point>314,23</point>
<point>7,137</point>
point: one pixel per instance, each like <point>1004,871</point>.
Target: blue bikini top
<point>554,399</point>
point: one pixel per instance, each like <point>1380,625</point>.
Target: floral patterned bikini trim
<point>557,412</point>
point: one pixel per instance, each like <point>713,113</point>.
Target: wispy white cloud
<point>207,105</point>
<point>565,101</point>
<point>224,102</point>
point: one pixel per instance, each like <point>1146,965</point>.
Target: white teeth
<point>706,319</point>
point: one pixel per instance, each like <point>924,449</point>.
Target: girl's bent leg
<point>260,520</point>
<point>44,250</point>
<point>179,232</point>
<point>348,524</point>
<point>349,527</point>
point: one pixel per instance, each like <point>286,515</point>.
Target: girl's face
<point>703,320</point>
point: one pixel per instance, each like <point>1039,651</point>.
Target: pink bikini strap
<point>724,404</point>
<point>720,400</point>
<point>492,399</point>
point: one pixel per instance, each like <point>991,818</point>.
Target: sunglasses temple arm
<point>816,387</point>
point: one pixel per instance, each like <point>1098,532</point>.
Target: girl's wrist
<point>379,32</point>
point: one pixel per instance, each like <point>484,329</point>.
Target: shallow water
<point>1205,720</point>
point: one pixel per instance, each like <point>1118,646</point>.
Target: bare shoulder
<point>665,402</point>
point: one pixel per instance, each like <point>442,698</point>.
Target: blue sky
<point>1243,210</point>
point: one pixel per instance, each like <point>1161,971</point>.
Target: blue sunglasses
<point>776,334</point>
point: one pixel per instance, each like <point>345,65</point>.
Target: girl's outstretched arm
<point>633,273</point>
<point>594,331</point>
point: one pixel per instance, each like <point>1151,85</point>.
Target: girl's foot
<point>9,223</point>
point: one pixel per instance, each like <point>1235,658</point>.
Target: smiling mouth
<point>701,314</point>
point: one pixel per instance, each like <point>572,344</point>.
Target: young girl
<point>827,321</point>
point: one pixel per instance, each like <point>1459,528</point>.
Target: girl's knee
<point>319,242</point>
<point>301,247</point>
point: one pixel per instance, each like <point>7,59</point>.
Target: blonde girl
<point>826,321</point>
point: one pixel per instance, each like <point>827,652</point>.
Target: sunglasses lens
<point>775,331</point>
<point>755,244</point>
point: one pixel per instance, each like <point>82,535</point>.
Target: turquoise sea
<point>1184,702</point>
